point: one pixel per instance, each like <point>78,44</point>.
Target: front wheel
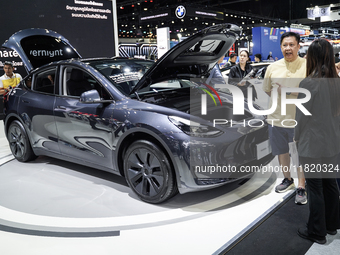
<point>19,142</point>
<point>148,172</point>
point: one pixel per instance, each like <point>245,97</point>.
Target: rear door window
<point>45,81</point>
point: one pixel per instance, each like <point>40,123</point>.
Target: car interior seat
<point>77,84</point>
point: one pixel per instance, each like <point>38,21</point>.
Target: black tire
<point>148,172</point>
<point>19,142</point>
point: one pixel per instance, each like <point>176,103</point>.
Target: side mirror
<point>92,96</point>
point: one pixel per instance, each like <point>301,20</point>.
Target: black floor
<point>277,234</point>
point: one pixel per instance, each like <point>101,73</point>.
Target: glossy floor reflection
<point>51,203</point>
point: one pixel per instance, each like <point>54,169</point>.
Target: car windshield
<point>123,73</point>
<point>126,73</point>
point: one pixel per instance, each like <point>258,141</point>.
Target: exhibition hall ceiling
<point>246,13</point>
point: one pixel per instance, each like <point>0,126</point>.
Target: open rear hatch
<point>37,47</point>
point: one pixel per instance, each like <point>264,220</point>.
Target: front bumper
<point>205,163</point>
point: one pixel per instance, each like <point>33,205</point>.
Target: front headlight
<point>193,128</point>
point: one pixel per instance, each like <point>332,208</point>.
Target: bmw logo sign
<point>180,12</point>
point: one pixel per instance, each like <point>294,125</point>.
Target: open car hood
<point>37,47</point>
<point>194,57</point>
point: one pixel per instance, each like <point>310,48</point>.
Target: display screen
<point>87,24</point>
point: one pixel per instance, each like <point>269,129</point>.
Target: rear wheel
<point>148,172</point>
<point>19,142</point>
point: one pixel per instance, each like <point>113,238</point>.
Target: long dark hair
<point>247,52</point>
<point>321,64</point>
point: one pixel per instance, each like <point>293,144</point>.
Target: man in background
<point>337,59</point>
<point>232,60</point>
<point>7,81</point>
<point>258,58</point>
<point>286,72</point>
<point>270,56</point>
<point>216,76</point>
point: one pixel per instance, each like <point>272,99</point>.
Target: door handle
<point>61,107</point>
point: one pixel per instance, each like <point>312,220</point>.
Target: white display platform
<point>50,206</point>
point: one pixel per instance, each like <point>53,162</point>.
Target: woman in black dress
<point>318,141</point>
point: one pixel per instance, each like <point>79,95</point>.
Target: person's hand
<point>279,88</point>
<point>241,84</point>
<point>5,90</point>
